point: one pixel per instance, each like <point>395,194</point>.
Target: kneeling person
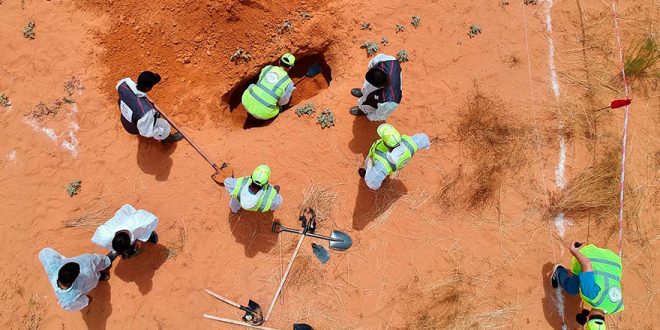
<point>73,278</point>
<point>390,154</point>
<point>125,233</point>
<point>595,274</point>
<point>253,193</point>
<point>138,113</point>
<point>265,99</point>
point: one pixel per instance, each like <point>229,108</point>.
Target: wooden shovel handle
<point>223,299</point>
<point>288,268</point>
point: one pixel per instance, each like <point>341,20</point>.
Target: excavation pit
<point>306,87</point>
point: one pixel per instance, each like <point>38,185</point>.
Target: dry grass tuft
<point>495,140</point>
<point>448,184</point>
<point>178,246</point>
<point>305,272</point>
<point>642,59</point>
<point>594,192</point>
<point>93,216</point>
<point>449,305</point>
<point>323,200</point>
<point>577,117</point>
<point>32,319</point>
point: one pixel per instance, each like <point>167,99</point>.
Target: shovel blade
<point>313,70</point>
<point>253,314</point>
<point>321,253</point>
<point>341,241</point>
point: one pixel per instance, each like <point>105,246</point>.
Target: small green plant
<point>326,119</point>
<point>399,28</point>
<point>72,85</point>
<point>74,187</point>
<point>474,31</point>
<point>286,26</point>
<point>307,109</point>
<point>41,110</point>
<point>365,26</point>
<point>402,56</point>
<point>642,59</point>
<point>4,100</point>
<point>504,3</point>
<point>28,30</point>
<point>530,2</point>
<point>384,41</point>
<point>68,100</point>
<point>240,55</point>
<point>513,60</point>
<point>370,46</point>
<point>305,16</point>
<point>416,20</point>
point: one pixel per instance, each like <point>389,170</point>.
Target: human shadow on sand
<point>364,135</point>
<point>142,267</point>
<point>253,231</point>
<point>370,204</point>
<point>549,302</point>
<point>153,157</point>
<point>98,311</point>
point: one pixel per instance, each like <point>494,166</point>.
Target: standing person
<point>390,153</point>
<point>138,114</point>
<point>596,275</point>
<point>265,99</point>
<point>381,92</point>
<point>74,278</point>
<point>126,232</point>
<point>253,193</point>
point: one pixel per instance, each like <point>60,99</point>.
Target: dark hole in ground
<point>305,87</point>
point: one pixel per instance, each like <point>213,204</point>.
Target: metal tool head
<point>221,173</point>
<point>321,253</point>
<point>313,70</point>
<point>253,314</point>
<point>340,241</point>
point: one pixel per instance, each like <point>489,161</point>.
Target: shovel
<point>253,314</point>
<point>218,169</point>
<point>337,240</point>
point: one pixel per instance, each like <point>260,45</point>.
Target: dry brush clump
<point>577,118</point>
<point>305,272</point>
<point>323,200</point>
<point>594,193</point>
<point>495,141</point>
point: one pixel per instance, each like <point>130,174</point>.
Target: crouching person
<point>126,232</point>
<point>74,278</point>
<point>253,193</point>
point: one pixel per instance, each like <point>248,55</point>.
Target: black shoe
<point>356,92</point>
<point>153,238</point>
<point>112,255</point>
<point>355,111</point>
<point>176,137</point>
<point>554,279</point>
<point>104,276</point>
<point>362,172</point>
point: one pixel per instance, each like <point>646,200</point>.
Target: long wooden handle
<point>223,299</point>
<point>243,324</point>
<point>288,268</point>
<point>201,153</point>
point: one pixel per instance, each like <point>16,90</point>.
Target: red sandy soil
<point>405,241</point>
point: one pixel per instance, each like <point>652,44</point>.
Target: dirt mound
<point>190,43</point>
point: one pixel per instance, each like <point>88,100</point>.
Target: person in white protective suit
<point>126,232</point>
<point>138,114</point>
<point>72,279</point>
